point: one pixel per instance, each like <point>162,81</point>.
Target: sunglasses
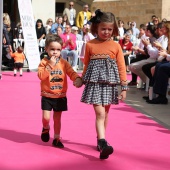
<point>71,5</point>
<point>50,21</point>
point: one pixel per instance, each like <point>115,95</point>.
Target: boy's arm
<point>70,72</point>
<point>44,70</point>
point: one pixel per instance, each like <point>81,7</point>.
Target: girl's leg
<point>101,124</point>
<point>45,121</point>
<point>100,121</point>
<point>20,71</point>
<point>106,116</point>
<point>57,128</point>
<point>15,71</point>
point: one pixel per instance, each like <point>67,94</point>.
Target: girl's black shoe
<point>105,149</point>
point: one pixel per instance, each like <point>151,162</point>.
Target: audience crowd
<point>146,49</point>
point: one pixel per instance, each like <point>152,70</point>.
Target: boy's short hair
<point>53,38</point>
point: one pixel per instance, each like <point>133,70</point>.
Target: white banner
<point>29,32</point>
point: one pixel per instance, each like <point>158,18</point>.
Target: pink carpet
<point>139,142</point>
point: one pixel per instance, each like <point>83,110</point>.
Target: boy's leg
<point>101,123</point>
<point>45,121</point>
<point>57,129</point>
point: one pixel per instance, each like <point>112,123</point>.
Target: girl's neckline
<point>103,40</point>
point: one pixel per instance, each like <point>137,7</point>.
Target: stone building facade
<point>139,11</point>
<point>126,10</point>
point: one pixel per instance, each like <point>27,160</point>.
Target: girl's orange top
<point>54,78</point>
<point>18,57</point>
<point>101,49</point>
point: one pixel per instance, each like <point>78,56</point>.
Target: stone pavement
<point>158,112</point>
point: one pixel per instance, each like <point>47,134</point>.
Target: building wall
<point>46,9</point>
<point>43,9</point>
<point>139,11</point>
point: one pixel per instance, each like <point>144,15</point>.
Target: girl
<point>53,71</point>
<point>104,69</point>
<point>19,58</point>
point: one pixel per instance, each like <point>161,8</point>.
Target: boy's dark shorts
<point>18,65</point>
<point>57,104</point>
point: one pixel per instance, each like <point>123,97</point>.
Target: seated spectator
<point>139,52</point>
<point>87,35</point>
<point>122,30</point>
<point>65,21</point>
<point>59,30</point>
<point>74,30</point>
<point>162,58</point>
<point>126,45</point>
<point>153,54</point>
<point>156,20</point>
<point>135,31</point>
<point>48,25</point>
<point>161,77</point>
<point>56,24</point>
<point>69,46</point>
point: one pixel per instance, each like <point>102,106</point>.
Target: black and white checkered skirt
<point>101,81</point>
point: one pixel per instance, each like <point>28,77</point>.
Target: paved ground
<point>160,113</point>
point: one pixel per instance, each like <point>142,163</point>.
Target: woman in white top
<point>48,25</point>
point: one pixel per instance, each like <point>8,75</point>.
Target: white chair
<point>79,51</point>
<point>168,90</point>
<point>130,57</point>
<point>79,45</point>
<point>17,43</point>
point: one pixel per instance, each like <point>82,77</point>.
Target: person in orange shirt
<point>53,71</point>
<point>104,69</point>
<point>19,58</point>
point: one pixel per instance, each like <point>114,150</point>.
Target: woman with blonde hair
<point>48,25</point>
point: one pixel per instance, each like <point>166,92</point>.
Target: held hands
<point>78,82</point>
<point>122,96</point>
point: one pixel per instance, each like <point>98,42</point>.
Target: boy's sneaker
<point>105,149</point>
<point>14,75</point>
<point>45,136</point>
<point>57,143</point>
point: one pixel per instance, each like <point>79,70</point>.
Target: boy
<point>53,71</point>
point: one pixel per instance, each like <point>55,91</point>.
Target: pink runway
<point>139,142</point>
